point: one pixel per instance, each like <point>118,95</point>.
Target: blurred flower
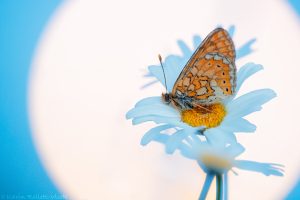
<point>222,159</point>
<point>217,161</point>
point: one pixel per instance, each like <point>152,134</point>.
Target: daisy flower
<point>218,127</point>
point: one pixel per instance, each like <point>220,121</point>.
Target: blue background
<point>21,24</point>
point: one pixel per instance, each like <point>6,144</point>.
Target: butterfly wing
<point>210,74</point>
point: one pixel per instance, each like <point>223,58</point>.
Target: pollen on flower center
<point>208,116</point>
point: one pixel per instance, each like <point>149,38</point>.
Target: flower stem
<point>219,182</point>
<point>225,186</point>
<point>208,180</point>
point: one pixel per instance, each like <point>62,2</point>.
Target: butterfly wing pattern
<point>209,76</point>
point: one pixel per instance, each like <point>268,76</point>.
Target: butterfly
<point>209,76</point>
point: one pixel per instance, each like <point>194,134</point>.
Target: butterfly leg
<point>201,107</point>
<point>201,131</point>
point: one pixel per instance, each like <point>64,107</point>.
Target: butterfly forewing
<point>218,41</point>
<point>210,74</point>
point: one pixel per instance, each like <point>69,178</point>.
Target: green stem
<point>208,180</point>
<point>219,186</point>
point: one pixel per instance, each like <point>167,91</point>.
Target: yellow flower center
<point>206,115</point>
<point>212,161</point>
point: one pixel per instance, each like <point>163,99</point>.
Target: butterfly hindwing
<point>209,76</point>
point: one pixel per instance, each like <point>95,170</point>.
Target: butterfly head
<point>166,98</point>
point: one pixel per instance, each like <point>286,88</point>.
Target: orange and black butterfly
<point>209,76</point>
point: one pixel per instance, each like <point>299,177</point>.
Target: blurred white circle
<point>87,74</point>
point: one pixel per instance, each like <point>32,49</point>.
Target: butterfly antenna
<point>160,60</point>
